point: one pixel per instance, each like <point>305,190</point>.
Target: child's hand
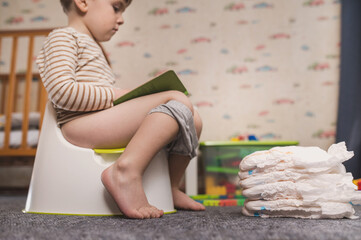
<point>118,92</point>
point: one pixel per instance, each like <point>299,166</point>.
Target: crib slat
<point>10,103</point>
<point>16,152</point>
<point>16,90</point>
<point>3,94</point>
<point>3,85</point>
<point>20,33</point>
<point>28,80</point>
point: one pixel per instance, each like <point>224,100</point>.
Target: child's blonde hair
<point>66,4</point>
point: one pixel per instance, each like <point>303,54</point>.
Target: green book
<point>164,82</point>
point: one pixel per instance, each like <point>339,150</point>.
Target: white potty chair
<point>66,178</point>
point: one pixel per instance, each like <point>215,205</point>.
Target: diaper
<point>269,177</point>
<point>312,159</point>
<point>312,213</point>
<point>338,168</point>
<point>336,187</point>
<point>301,182</point>
<point>298,209</point>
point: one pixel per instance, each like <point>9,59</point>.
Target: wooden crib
<point>10,79</point>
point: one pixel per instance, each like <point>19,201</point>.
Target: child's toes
<point>198,206</point>
<point>160,213</point>
<point>155,212</point>
<point>145,211</point>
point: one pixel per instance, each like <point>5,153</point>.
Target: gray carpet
<point>214,223</point>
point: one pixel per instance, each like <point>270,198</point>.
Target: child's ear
<point>81,5</point>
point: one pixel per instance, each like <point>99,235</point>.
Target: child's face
<point>104,17</point>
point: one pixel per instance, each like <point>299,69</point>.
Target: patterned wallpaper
<point>268,68</point>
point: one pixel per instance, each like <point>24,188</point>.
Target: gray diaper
<point>186,141</point>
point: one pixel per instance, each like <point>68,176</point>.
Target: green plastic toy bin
<point>219,161</point>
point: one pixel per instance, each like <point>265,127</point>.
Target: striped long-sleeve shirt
<point>75,74</point>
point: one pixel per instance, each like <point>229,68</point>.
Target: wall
<point>269,68</point>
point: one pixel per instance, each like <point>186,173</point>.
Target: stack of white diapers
<point>300,182</point>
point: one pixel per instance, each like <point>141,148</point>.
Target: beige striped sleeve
<point>57,64</point>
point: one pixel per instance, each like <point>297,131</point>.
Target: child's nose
<point>120,20</point>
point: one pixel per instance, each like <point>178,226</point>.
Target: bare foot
<point>128,193</point>
<point>182,201</point>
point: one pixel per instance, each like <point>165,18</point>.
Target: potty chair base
<point>66,179</point>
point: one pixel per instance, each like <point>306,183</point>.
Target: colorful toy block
<point>220,200</point>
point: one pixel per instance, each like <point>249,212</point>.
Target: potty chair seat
<point>66,179</point>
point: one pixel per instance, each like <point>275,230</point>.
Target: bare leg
<point>177,167</point>
<point>125,176</point>
<point>115,127</point>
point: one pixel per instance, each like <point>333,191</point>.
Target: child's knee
<point>181,97</point>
